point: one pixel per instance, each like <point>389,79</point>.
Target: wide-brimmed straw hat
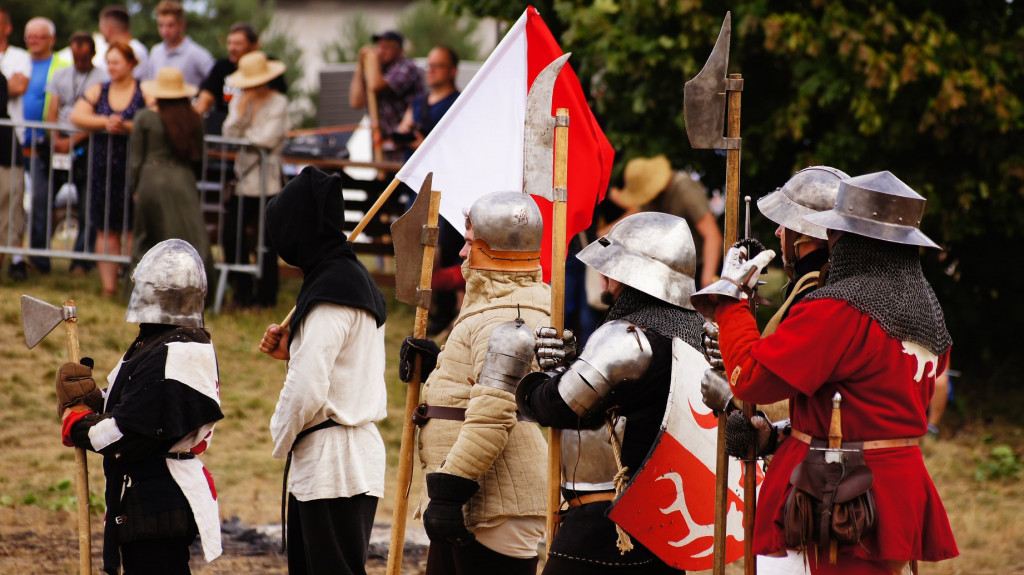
<point>254,69</point>
<point>169,84</point>
<point>645,178</point>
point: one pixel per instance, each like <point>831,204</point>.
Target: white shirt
<point>16,60</point>
<point>336,371</point>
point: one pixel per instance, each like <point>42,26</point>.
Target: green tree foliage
<point>928,90</point>
<point>356,31</point>
<point>424,27</point>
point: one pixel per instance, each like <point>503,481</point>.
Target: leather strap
<point>591,498</point>
<point>424,413</point>
<point>875,444</point>
<point>482,257</point>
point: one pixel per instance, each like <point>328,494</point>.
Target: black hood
<point>304,225</point>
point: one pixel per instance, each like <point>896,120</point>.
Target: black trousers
<point>329,536</point>
<point>156,556</point>
<point>474,559</point>
<point>240,244</point>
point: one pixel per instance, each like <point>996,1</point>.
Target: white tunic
<point>336,371</point>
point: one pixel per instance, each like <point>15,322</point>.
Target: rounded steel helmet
<point>877,206</point>
<point>649,251</point>
<point>170,286</point>
<point>809,191</point>
<point>507,232</point>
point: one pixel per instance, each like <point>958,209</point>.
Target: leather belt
<point>424,413</point>
<point>875,444</point>
<point>182,456</point>
<point>591,498</point>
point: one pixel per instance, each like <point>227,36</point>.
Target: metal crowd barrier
<point>69,193</point>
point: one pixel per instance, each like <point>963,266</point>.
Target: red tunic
<point>824,346</point>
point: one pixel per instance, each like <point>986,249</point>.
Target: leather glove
<point>716,392</point>
<point>425,348</point>
<point>75,386</point>
<point>553,351</point>
<point>712,351</point>
<point>443,518</point>
<point>741,432</point>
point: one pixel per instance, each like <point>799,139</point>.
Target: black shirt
<point>6,133</point>
<point>215,83</point>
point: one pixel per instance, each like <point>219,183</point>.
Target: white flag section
<point>477,147</point>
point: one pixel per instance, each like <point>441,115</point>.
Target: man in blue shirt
<point>39,39</point>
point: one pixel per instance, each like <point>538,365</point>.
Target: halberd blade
<point>407,237</point>
<point>539,135</point>
<point>704,96</point>
<point>38,319</point>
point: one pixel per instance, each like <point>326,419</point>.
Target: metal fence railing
<point>52,194</point>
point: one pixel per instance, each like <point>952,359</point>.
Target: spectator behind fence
<point>166,155</point>
<point>395,80</point>
<point>115,26</point>
<point>16,66</point>
<point>110,106</point>
<point>39,39</point>
<point>259,115</point>
<point>64,89</point>
<point>214,93</point>
<point>12,180</point>
<point>177,50</point>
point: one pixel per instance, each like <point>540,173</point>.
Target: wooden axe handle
<point>81,464</point>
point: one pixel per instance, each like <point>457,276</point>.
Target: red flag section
<point>590,155</point>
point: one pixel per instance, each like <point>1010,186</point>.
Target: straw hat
<point>255,70</point>
<point>645,178</point>
<point>169,84</point>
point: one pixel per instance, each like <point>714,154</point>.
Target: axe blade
<point>539,135</point>
<point>704,96</point>
<point>38,319</point>
<point>407,237</point>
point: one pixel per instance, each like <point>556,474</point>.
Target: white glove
<point>742,272</point>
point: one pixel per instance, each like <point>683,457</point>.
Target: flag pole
<point>558,247</point>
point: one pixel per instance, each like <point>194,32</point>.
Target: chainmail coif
<point>885,281</point>
<point>651,313</point>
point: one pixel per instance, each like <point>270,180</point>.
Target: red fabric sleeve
<point>737,336</point>
<point>71,417</point>
<point>448,279</point>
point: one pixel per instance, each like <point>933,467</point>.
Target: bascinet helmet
<point>809,191</point>
<point>507,232</point>
<point>170,286</point>
<point>649,251</point>
<point>877,206</point>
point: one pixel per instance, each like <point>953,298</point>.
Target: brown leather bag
<point>830,501</point>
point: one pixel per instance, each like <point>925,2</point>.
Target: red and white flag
<point>669,505</point>
<point>477,147</point>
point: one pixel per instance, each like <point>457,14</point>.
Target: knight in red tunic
<point>874,332</point>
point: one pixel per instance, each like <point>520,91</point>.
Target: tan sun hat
<point>169,84</point>
<point>254,69</point>
<point>645,178</point>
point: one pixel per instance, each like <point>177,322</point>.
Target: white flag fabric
<point>477,147</point>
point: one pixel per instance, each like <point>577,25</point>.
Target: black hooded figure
<point>334,391</point>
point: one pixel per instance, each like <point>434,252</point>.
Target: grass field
<point>976,464</point>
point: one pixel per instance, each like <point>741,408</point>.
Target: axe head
<point>539,135</point>
<point>704,96</point>
<point>407,234</point>
<point>38,318</point>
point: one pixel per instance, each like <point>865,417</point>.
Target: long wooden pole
<point>559,209</point>
<point>412,399</point>
<point>358,229</point>
<point>81,464</point>
<point>371,108</point>
<point>732,199</point>
<point>732,208</point>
